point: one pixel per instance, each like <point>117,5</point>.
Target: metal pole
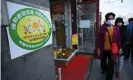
<point>59,73</point>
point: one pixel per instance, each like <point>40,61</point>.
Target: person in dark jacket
<point>132,47</point>
<point>129,39</point>
<point>122,28</point>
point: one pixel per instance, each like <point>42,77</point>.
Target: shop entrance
<point>87,38</point>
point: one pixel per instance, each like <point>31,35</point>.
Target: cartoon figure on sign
<point>42,28</point>
<point>34,26</point>
<point>25,30</point>
<point>30,29</point>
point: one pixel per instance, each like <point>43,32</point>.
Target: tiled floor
<point>126,74</point>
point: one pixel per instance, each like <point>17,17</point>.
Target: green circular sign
<point>29,28</point>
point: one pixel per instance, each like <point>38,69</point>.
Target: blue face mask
<point>110,22</point>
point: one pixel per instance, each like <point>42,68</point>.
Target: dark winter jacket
<point>115,38</point>
<point>123,36</point>
<point>132,38</point>
<point>123,33</point>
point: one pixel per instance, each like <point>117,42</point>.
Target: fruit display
<point>62,53</point>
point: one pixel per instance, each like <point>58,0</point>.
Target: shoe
<point>118,75</point>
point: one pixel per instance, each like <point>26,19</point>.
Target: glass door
<point>87,35</point>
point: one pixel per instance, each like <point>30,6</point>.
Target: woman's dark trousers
<point>107,64</point>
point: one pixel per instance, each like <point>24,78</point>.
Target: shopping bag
<point>114,49</point>
<point>114,46</point>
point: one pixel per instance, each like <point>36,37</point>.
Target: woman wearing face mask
<point>120,24</point>
<point>109,36</point>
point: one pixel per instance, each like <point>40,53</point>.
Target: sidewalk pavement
<point>95,72</point>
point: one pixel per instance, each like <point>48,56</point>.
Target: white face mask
<point>110,22</point>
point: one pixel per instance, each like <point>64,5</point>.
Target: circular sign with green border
<point>29,28</point>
